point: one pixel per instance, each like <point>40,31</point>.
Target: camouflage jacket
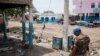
<point>82,43</point>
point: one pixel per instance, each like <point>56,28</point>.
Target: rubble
<point>12,48</point>
<point>95,48</point>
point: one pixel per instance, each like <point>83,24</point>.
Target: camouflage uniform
<point>82,43</point>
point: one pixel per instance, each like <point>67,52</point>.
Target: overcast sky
<point>56,6</point>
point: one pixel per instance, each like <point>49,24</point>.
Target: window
<point>93,5</point>
<point>53,19</point>
<point>46,19</point>
<point>42,19</point>
<point>99,5</point>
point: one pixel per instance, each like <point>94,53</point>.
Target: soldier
<point>43,27</point>
<point>81,43</point>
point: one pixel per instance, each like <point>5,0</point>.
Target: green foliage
<point>14,12</point>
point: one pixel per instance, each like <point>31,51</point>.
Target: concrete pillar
<point>44,19</point>
<point>65,25</point>
<point>50,19</point>
<point>85,16</point>
<point>23,24</point>
<point>88,15</point>
<point>31,32</point>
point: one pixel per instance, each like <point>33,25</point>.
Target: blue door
<point>46,19</point>
<point>42,19</point>
<point>53,19</point>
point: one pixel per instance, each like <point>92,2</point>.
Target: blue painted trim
<point>45,19</point>
<point>23,31</point>
<point>30,34</point>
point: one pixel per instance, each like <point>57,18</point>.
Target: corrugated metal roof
<point>4,4</point>
<point>25,2</point>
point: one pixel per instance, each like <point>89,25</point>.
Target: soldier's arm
<point>88,43</point>
<point>73,52</point>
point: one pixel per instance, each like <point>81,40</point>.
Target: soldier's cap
<point>76,28</point>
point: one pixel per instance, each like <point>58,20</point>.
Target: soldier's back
<point>82,45</point>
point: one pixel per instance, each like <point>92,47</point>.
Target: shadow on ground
<point>14,47</point>
<point>38,51</point>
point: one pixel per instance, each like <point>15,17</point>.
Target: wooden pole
<point>23,24</point>
<point>30,27</point>
<point>5,30</point>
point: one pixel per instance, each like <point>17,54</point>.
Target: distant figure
<point>81,43</point>
<point>43,27</point>
<point>39,38</point>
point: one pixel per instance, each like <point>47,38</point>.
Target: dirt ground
<point>53,29</point>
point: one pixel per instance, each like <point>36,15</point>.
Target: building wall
<point>52,17</point>
<point>44,18</point>
<point>86,6</point>
<point>86,9</point>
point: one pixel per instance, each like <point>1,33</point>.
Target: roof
<point>26,2</point>
<point>48,13</point>
<point>14,3</point>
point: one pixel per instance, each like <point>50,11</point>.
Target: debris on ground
<point>13,47</point>
<point>95,48</point>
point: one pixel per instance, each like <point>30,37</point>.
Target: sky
<point>56,6</point>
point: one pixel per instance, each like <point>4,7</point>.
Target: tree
<point>14,12</point>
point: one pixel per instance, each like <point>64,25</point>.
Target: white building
<point>49,16</point>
